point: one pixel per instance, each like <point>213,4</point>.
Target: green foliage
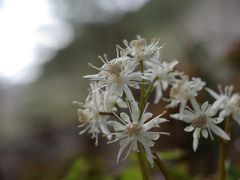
<point>171,154</point>
<point>131,173</point>
<point>78,170</point>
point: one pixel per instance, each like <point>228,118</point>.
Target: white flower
<point>227,101</point>
<point>116,76</point>
<point>139,49</point>
<point>202,122</point>
<point>89,114</point>
<point>162,74</point>
<point>183,90</point>
<point>131,131</point>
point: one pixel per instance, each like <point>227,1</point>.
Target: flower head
<point>162,75</point>
<point>202,121</point>
<point>136,129</point>
<point>89,113</point>
<point>183,90</point>
<point>139,49</point>
<point>116,76</point>
<point>227,102</point>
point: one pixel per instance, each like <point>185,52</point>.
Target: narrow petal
<point>196,136</point>
<point>195,104</point>
<point>218,131</point>
<point>125,117</point>
<point>184,117</point>
<point>204,106</point>
<point>205,133</point>
<point>123,145</point>
<point>189,128</point>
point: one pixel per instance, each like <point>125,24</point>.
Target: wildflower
<point>227,101</point>
<point>131,131</point>
<point>116,76</point>
<point>139,49</point>
<point>89,114</point>
<point>161,75</point>
<point>183,90</point>
<point>202,122</point>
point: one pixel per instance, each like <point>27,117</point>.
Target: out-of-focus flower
<point>131,131</point>
<point>139,49</point>
<point>183,90</point>
<point>227,101</point>
<point>202,121</point>
<point>89,113</point>
<point>161,74</point>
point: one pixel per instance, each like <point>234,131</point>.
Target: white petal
<point>204,106</point>
<point>125,117</point>
<point>195,104</point>
<point>123,145</point>
<point>212,93</point>
<point>218,131</point>
<point>205,133</point>
<point>224,113</point>
<point>158,92</point>
<point>152,135</point>
<point>116,125</point>
<point>153,123</point>
<point>105,130</point>
<point>189,128</point>
<point>236,117</point>
<point>146,116</point>
<point>196,136</point>
<point>148,151</point>
<point>185,118</point>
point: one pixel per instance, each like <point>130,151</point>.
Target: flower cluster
<point>138,65</point>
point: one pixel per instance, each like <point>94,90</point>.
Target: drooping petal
<point>218,131</point>
<point>196,136</point>
<point>123,145</point>
<point>205,133</point>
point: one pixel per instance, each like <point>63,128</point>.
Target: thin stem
<point>222,153</point>
<point>106,113</point>
<point>149,90</point>
<point>143,166</point>
<point>142,101</point>
<point>161,166</point>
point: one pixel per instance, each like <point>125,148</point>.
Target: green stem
<point>222,151</point>
<point>161,166</point>
<point>149,90</point>
<point>143,166</point>
<point>142,101</point>
<point>106,113</point>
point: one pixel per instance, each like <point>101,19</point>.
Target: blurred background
<point>45,47</point>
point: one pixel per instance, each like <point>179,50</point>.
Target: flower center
<point>179,91</point>
<point>115,68</point>
<point>133,129</point>
<point>139,46</point>
<point>83,116</point>
<point>199,121</point>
